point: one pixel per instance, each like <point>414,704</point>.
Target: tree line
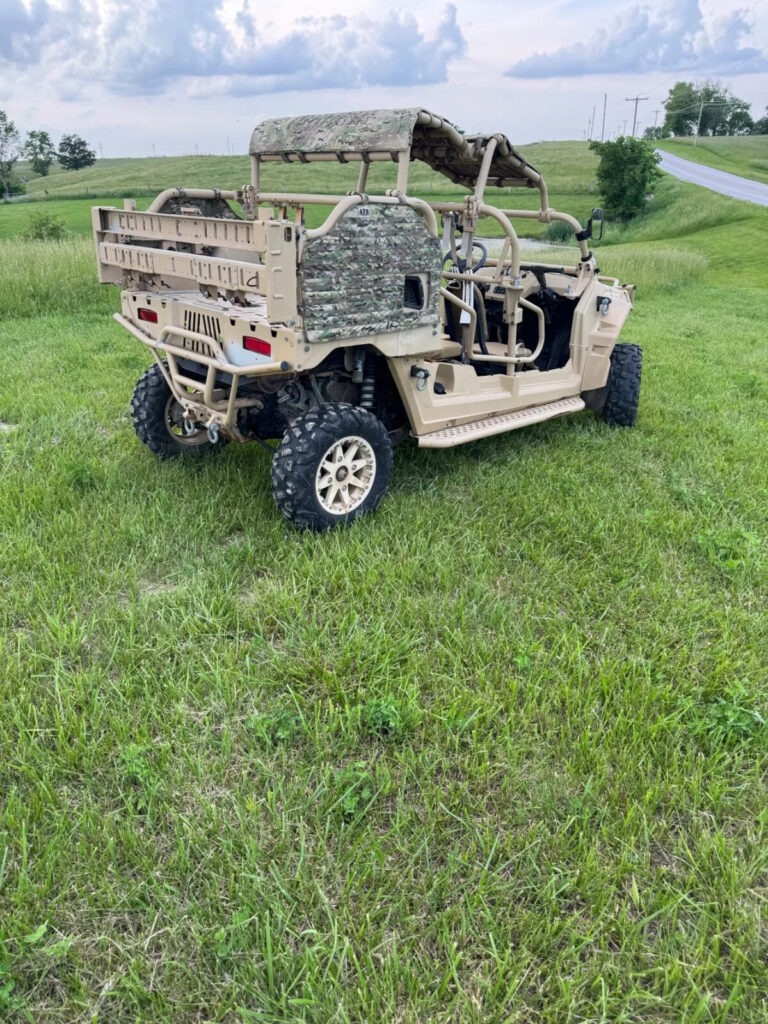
<point>72,153</point>
<point>708,108</point>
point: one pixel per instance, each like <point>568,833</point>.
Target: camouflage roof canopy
<point>357,134</point>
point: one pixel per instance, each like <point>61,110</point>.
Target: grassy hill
<point>568,167</point>
<point>497,753</point>
<point>746,156</point>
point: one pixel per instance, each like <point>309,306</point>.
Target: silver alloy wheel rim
<point>345,475</point>
<point>174,418</point>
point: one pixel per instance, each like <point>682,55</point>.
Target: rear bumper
<point>202,398</point>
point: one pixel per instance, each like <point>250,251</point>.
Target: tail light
<point>149,315</point>
<point>264,348</point>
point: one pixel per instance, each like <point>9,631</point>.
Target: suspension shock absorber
<point>368,387</point>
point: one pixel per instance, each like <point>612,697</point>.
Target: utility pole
<point>602,130</point>
<point>635,100</point>
<point>625,129</point>
<point>592,124</point>
<point>655,117</point>
<point>698,124</point>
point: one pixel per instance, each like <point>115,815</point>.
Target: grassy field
<point>496,754</point>
<point>569,167</point>
<point>746,156</point>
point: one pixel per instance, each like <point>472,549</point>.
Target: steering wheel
<point>461,264</point>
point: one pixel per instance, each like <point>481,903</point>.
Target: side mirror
<point>597,215</point>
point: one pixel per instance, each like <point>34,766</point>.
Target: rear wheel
<point>623,388</point>
<point>332,466</point>
<point>158,420</point>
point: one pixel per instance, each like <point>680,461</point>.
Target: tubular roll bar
<point>348,202</point>
<point>189,193</point>
<point>469,341</point>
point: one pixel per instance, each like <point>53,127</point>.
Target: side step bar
<point>450,436</point>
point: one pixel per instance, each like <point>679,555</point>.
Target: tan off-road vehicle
<point>378,325</point>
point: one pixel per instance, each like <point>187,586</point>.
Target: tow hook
<point>213,433</point>
<point>421,374</point>
<point>187,426</point>
<point>603,304</point>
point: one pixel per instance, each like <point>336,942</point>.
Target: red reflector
<point>149,315</point>
<point>264,348</point>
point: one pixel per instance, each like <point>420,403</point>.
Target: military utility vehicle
<point>334,342</point>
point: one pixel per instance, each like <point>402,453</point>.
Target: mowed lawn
<point>495,754</point>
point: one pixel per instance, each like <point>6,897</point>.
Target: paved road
<point>717,181</point>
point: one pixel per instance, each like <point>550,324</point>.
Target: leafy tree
<point>10,151</point>
<point>760,127</point>
<point>721,112</point>
<point>40,151</point>
<point>653,134</point>
<point>74,153</point>
<point>681,109</point>
<point>626,171</point>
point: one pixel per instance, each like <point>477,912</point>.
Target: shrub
<point>626,171</point>
<point>558,231</point>
<point>45,227</point>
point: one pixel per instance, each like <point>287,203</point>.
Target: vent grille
<point>200,323</point>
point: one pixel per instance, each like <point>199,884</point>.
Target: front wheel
<point>623,390</point>
<point>158,420</point>
<point>332,466</point>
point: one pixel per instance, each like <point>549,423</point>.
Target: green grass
<point>747,157</point>
<point>75,213</point>
<point>494,754</point>
<point>568,167</point>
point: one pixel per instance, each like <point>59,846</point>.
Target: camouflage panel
<point>353,280</point>
<point>353,131</point>
<point>429,137</point>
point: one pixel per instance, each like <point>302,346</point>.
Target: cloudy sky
<point>179,75</point>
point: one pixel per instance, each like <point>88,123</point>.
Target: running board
<point>450,436</point>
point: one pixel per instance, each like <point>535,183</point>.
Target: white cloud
<point>639,40</point>
<point>142,49</point>
<point>176,75</point>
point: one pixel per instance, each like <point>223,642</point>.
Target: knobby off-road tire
<point>332,466</point>
<point>157,418</point>
<point>623,394</point>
